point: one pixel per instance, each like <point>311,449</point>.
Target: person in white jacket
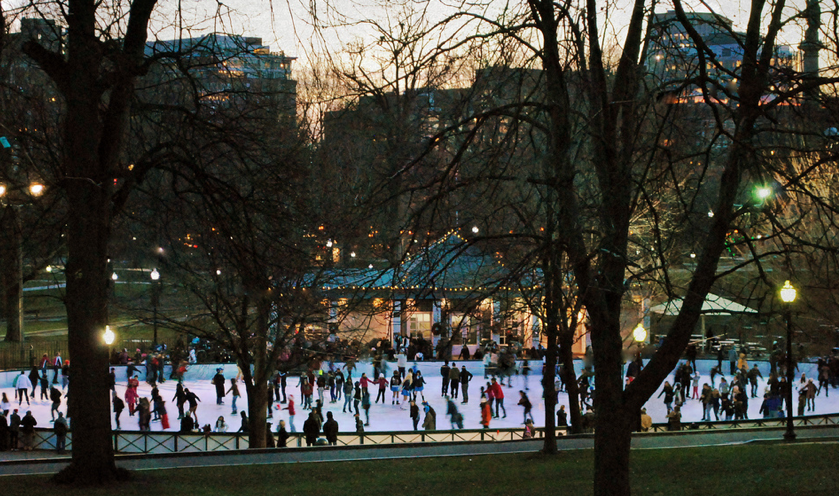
<point>22,383</point>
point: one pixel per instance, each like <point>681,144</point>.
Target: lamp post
<point>109,337</point>
<point>788,294</point>
<point>155,300</point>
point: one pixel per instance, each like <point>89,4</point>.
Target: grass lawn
<point>736,470</point>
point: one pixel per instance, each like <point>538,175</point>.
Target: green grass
<point>764,470</point>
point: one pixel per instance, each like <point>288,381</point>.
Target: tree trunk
<point>548,386</point>
<point>612,437</point>
<point>569,378</point>
<point>87,299</point>
<point>12,276</point>
<point>258,408</point>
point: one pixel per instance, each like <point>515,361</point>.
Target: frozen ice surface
<point>388,417</point>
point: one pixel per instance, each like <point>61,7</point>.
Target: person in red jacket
<point>486,413</point>
<point>498,393</point>
<point>382,382</point>
<point>291,412</point>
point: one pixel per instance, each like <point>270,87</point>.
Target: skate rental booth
<point>448,291</point>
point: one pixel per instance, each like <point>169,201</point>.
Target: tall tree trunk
<point>87,300</point>
<point>12,276</point>
<point>569,378</point>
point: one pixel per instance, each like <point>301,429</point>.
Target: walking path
<point>32,463</point>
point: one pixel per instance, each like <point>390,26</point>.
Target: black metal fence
<point>26,354</point>
<point>139,442</point>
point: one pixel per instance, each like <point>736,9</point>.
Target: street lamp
<point>639,334</point>
<point>788,294</point>
<point>155,300</point>
<point>108,336</point>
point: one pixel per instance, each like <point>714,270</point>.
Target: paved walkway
<point>20,463</point>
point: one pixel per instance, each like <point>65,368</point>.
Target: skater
<point>454,379</point>
<point>65,375</point>
<point>221,425</point>
<point>119,406</point>
<point>430,422</point>
<point>22,385</point>
<point>525,372</point>
<point>486,413</point>
<point>395,385</point>
<point>244,427</point>
<point>365,404</point>
<point>419,385</point>
<point>406,387</point>
<point>234,389</point>
<point>291,412</point>
<point>45,385</point>
<point>131,397</point>
<point>348,388</point>
<point>465,377</point>
<point>498,393</point>
<point>218,382</point>
<point>754,373</point>
<point>56,367</point>
<point>55,396</point>
<point>356,399</point>
<point>193,400</point>
<point>524,401</point>
<point>414,412</point>
<point>179,399</point>
<point>444,373</point>
<point>5,405</point>
<point>455,418</point>
<point>667,391</point>
<point>382,382</point>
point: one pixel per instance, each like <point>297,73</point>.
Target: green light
<point>764,192</point>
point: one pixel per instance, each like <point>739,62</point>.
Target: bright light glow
<point>710,213</point>
<point>329,243</point>
<point>693,255</point>
<point>2,189</point>
<point>764,192</point>
<point>36,189</point>
<point>352,254</point>
<point>370,266</point>
<point>114,276</point>
<point>155,275</point>
<point>475,229</point>
<point>109,336</point>
<point>160,250</point>
<point>788,293</point>
<point>218,272</point>
<point>639,334</point>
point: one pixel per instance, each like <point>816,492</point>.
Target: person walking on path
<point>234,390</point>
<point>22,385</point>
<point>465,377</point>
<point>330,430</point>
<point>218,382</point>
<point>119,406</point>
